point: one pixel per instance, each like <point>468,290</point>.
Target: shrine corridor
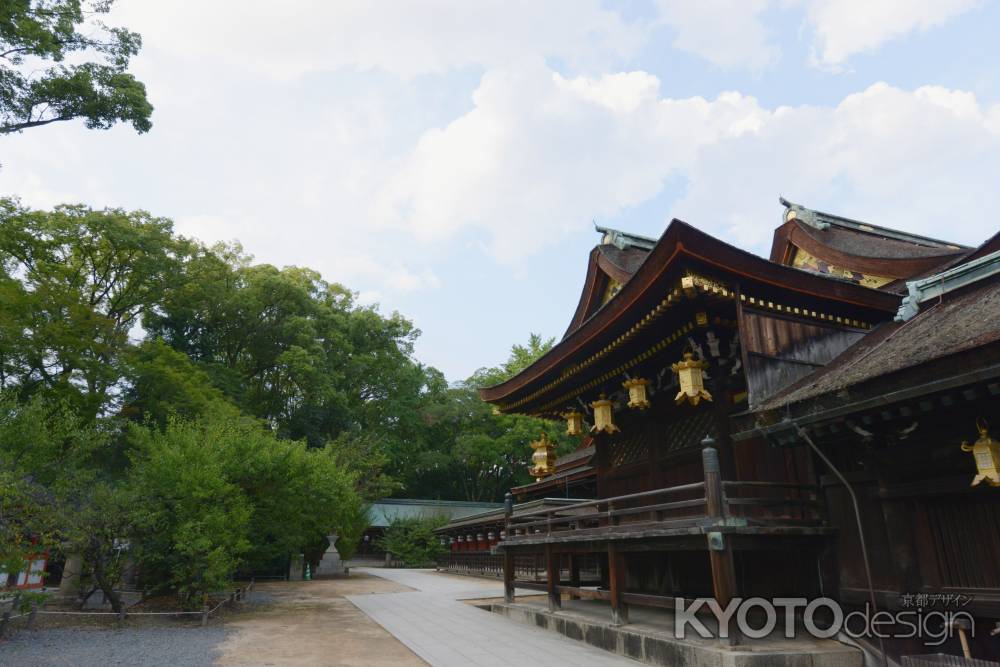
<point>437,623</point>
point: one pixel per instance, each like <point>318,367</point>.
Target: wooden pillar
<point>616,576</point>
<point>552,578</point>
<point>574,574</point>
<point>720,551</point>
<point>508,555</point>
<point>829,569</point>
<point>714,500</point>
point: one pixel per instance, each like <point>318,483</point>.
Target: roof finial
<point>794,211</point>
<point>624,240</point>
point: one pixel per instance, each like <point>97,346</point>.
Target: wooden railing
<point>743,502</point>
<point>773,503</point>
<point>713,504</point>
<point>626,509</point>
<point>527,567</point>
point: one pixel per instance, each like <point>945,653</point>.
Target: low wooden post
<point>3,623</point>
<point>552,578</point>
<point>713,479</point>
<point>720,551</point>
<point>121,616</point>
<point>204,615</point>
<point>31,615</point>
<point>574,574</point>
<point>508,555</point>
<point>616,580</point>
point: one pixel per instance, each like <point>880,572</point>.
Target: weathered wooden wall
<point>780,350</point>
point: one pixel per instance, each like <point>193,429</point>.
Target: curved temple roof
<point>842,245</point>
<point>681,245</point>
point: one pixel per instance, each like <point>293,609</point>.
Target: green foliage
<point>363,455</point>
<point>192,521</point>
<point>260,412</point>
<point>51,491</point>
<point>471,453</point>
<point>222,491</point>
<point>413,541</point>
<point>291,349</point>
<point>23,521</point>
<point>33,94</point>
<point>521,356</point>
<point>103,517</point>
<point>164,383</point>
<point>353,524</point>
<point>75,282</point>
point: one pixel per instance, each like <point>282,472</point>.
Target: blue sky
<point>447,159</point>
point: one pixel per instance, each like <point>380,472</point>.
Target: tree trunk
<point>107,585</point>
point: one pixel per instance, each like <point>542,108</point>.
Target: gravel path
<point>155,646</point>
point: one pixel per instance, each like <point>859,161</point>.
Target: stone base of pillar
<point>69,587</point>
<point>296,568</point>
<point>331,563</point>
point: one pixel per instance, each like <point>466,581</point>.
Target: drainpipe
<point>804,436</point>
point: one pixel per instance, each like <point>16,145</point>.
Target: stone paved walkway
<point>439,628</point>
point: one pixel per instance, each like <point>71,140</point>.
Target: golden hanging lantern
<point>574,422</point>
<point>603,421</point>
<point>986,451</point>
<point>637,393</point>
<point>692,384</point>
<point>544,458</point>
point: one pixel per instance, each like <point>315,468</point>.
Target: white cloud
<point>922,161</point>
<point>727,33</point>
<point>284,40</point>
<point>539,155</point>
<point>733,33</point>
<point>525,174</point>
<point>393,274</point>
<point>847,27</point>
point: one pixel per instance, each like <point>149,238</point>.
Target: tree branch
<point>17,127</point>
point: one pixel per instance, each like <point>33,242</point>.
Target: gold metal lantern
<point>986,451</point>
<point>692,384</point>
<point>574,422</point>
<point>637,393</point>
<point>544,458</point>
<point>603,419</point>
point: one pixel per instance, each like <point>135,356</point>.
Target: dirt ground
<point>310,624</point>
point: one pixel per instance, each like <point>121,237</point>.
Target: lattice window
<point>629,451</point>
<point>688,431</point>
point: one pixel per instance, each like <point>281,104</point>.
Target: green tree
<point>472,453</point>
<point>163,383</point>
<point>103,518</point>
<point>296,351</point>
<point>412,540</point>
<point>354,522</point>
<point>76,282</point>
<point>191,522</point>
<point>221,492</point>
<point>53,493</point>
<point>38,87</point>
<point>27,521</point>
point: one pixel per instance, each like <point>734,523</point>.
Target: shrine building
<point>815,424</point>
